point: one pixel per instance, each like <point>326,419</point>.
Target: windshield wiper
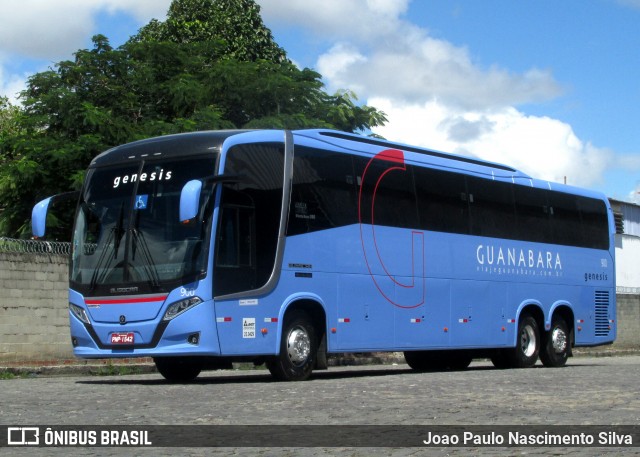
<point>119,232</point>
<point>103,255</point>
<point>115,236</point>
<point>148,263</point>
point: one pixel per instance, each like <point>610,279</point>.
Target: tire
<point>437,360</point>
<point>500,360</point>
<point>459,361</point>
<point>525,354</point>
<point>418,360</point>
<point>298,349</point>
<point>178,369</point>
<point>555,344</point>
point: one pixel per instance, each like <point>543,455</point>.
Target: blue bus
<point>283,247</point>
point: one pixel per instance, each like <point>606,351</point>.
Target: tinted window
<point>442,201</point>
<point>565,219</point>
<point>324,193</point>
<point>532,209</point>
<point>492,208</point>
<point>390,185</point>
<point>594,226</point>
<point>249,220</point>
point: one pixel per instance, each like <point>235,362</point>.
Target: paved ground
<point>589,391</point>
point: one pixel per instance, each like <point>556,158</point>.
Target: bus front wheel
<point>298,349</point>
<point>555,345</point>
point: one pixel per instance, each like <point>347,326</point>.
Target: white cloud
<point>55,29</point>
<point>335,20</point>
<point>11,85</point>
<point>410,65</point>
<point>634,195</point>
<point>378,54</point>
<point>50,31</point>
<point>542,147</point>
<point>437,96</point>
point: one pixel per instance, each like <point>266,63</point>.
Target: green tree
<point>235,24</point>
<point>211,65</point>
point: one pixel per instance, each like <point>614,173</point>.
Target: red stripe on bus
<point>122,301</point>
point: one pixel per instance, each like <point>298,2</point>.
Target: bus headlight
<point>79,312</point>
<point>179,307</point>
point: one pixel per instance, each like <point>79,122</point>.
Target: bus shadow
<point>257,376</point>
<point>263,376</point>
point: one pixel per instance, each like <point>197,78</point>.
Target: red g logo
<point>408,291</point>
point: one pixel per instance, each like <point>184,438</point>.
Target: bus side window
<point>532,215</point>
<point>387,197</point>
<point>492,208</point>
<point>236,238</point>
<point>249,221</point>
<point>565,219</point>
<point>442,202</point>
<point>593,214</point>
<point>323,194</point>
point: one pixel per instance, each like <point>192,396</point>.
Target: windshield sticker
<point>144,177</point>
<point>141,201</point>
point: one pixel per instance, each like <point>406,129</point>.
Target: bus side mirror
<point>39,212</point>
<point>39,217</point>
<point>190,199</point>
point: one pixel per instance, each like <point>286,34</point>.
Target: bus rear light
<point>269,320</point>
<point>79,312</point>
<point>179,307</point>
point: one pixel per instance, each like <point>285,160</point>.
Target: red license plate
<point>122,338</point>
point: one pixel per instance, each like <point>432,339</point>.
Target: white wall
<point>628,264</point>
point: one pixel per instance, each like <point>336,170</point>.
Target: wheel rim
<point>298,346</point>
<point>528,341</point>
<point>559,340</point>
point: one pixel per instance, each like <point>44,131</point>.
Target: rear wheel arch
<point>564,311</point>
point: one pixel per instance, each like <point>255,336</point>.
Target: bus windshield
<point>127,234</point>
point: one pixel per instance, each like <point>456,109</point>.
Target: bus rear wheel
<point>555,344</point>
<point>298,349</point>
<point>525,354</point>
<point>178,369</point>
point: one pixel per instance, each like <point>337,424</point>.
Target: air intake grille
<point>602,313</point>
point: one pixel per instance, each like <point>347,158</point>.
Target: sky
<point>551,88</point>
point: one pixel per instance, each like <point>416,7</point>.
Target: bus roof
<point>182,144</point>
<point>343,137</point>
